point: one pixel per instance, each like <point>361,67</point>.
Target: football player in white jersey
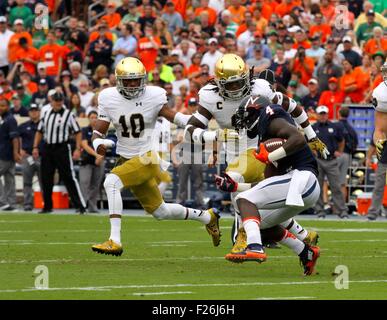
<point>379,96</point>
<point>220,99</point>
<point>133,108</point>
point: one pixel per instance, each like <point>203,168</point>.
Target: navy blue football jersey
<point>302,159</point>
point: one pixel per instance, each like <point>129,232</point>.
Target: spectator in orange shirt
<point>319,28</point>
<point>194,69</point>
<point>332,98</point>
<point>376,79</point>
<point>237,11</point>
<point>364,71</point>
<point>351,83</point>
<point>301,39</point>
<point>212,16</point>
<point>327,9</point>
<point>52,55</point>
<point>303,64</point>
<point>7,91</point>
<point>266,8</point>
<point>376,43</point>
<point>248,18</point>
<point>13,45</point>
<point>28,55</point>
<point>260,21</point>
<point>96,33</point>
<point>148,47</point>
<point>111,17</point>
<point>286,7</point>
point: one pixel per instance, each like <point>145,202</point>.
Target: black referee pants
<point>58,156</point>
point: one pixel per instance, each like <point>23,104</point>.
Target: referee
<point>55,127</point>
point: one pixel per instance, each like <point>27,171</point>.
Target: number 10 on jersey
<point>137,125</point>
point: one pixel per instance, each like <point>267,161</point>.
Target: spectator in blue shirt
<point>126,45</point>
<point>9,154</point>
<point>173,18</point>
<point>30,166</point>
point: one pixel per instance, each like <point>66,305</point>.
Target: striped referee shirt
<point>57,127</point>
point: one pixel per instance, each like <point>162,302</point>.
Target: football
<point>273,144</point>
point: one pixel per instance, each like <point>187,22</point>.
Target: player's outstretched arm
<point>280,128</point>
<point>178,118</point>
<point>301,118</point>
<point>100,143</point>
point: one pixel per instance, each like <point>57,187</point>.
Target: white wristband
<point>277,154</point>
<point>106,142</point>
<point>309,132</point>
<point>301,118</point>
<point>181,119</point>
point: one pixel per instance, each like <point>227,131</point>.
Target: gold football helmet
<point>232,77</point>
<point>131,77</point>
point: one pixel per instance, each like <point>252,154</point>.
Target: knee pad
<point>113,181</point>
<point>161,212</point>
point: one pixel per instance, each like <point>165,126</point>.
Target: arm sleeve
<point>102,104</point>
<point>12,127</point>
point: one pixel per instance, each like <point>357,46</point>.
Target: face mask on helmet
<point>131,88</point>
<point>234,89</point>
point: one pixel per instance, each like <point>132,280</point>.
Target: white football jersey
<point>223,110</point>
<point>134,120</point>
<point>380,97</point>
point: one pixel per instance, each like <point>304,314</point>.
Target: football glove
<point>380,144</point>
<point>316,144</point>
<point>226,183</point>
<point>226,135</point>
<point>262,154</point>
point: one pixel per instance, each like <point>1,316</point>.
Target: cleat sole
<point>107,253</point>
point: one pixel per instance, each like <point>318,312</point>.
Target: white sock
<point>174,211</point>
<point>115,230</point>
<point>295,228</point>
<point>251,226</point>
<point>290,241</point>
<point>163,186</point>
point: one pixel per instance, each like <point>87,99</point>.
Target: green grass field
<point>176,260</point>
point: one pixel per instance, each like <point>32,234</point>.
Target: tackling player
<point>133,108</point>
<point>219,100</point>
<point>380,102</point>
<point>279,198</point>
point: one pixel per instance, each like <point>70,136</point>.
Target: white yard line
<point>190,285</point>
<point>350,229</point>
<point>52,231</point>
<point>119,259</point>
<point>17,221</point>
<point>283,298</point>
<point>357,240</point>
<point>160,293</point>
<point>43,243</point>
